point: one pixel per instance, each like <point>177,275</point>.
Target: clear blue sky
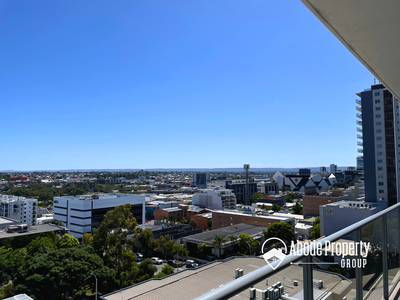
<point>173,84</point>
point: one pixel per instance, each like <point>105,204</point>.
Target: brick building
<point>177,213</point>
<point>224,218</point>
<point>311,204</point>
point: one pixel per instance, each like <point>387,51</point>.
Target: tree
<point>280,230</point>
<point>87,238</point>
<point>244,247</point>
<point>193,223</point>
<point>165,245</point>
<point>64,272</point>
<point>57,222</point>
<point>316,233</point>
<point>111,238</point>
<point>218,241</point>
<point>276,207</point>
<point>67,241</point>
<point>146,270</point>
<point>146,240</point>
<point>297,209</point>
<point>180,250</point>
<point>41,245</point>
<point>10,261</point>
<point>232,238</point>
<point>254,198</point>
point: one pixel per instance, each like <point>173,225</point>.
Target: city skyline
<point>174,85</point>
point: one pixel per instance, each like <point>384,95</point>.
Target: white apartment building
<point>82,213</point>
<point>215,198</point>
<point>20,209</point>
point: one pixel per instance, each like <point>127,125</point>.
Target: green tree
<point>244,247</point>
<point>316,233</point>
<point>218,241</point>
<point>276,207</point>
<point>180,250</point>
<point>232,238</point>
<point>166,270</point>
<point>193,223</point>
<point>57,222</point>
<point>67,241</point>
<point>254,198</point>
<point>87,239</point>
<point>165,245</point>
<point>146,270</point>
<point>297,209</point>
<point>64,272</point>
<point>10,261</point>
<point>41,245</point>
<point>280,230</point>
<point>146,241</point>
<point>111,238</point>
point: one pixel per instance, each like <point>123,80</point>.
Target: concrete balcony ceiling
<point>370,30</point>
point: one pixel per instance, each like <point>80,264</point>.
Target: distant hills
<point>313,169</point>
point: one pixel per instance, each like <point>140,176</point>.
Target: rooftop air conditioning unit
<point>320,284</point>
<point>252,293</point>
<point>295,283</point>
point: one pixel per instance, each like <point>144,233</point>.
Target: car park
<point>156,260</point>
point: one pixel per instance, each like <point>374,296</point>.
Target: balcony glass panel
<point>372,280</point>
<point>393,247</point>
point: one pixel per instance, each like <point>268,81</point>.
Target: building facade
<point>82,213</point>
<point>215,199</point>
<point>239,189</point>
<point>20,209</point>
<point>333,168</point>
<point>380,144</point>
<point>201,179</point>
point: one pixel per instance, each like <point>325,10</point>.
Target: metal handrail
<point>240,284</point>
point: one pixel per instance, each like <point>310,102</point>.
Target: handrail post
<point>307,278</point>
<point>359,286</point>
<point>385,257</point>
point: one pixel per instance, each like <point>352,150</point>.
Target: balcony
<point>358,108</point>
<point>359,129</point>
<point>359,116</point>
<point>358,101</point>
<point>375,275</point>
<point>360,144</point>
<point>359,136</point>
<point>359,122</point>
<point>360,150</point>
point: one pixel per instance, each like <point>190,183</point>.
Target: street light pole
<point>96,284</point>
<point>249,247</point>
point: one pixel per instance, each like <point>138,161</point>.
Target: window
<point>380,138</point>
<point>376,93</point>
<point>380,161</point>
<point>381,199</point>
<point>379,153</point>
<point>378,123</point>
<point>379,146</point>
<point>380,176</point>
<point>378,131</point>
<point>381,191</point>
<point>377,108</point>
<point>377,116</point>
<point>377,101</point>
<point>380,168</point>
<point>380,183</point>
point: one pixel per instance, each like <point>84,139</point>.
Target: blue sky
<point>173,84</point>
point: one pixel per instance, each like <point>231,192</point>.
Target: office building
<point>322,169</point>
<point>380,126</point>
<point>82,213</point>
<point>239,189</point>
<point>215,199</point>
<point>20,209</point>
<point>200,179</point>
<point>271,188</point>
<point>333,168</point>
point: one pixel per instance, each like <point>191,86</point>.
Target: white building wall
<point>20,209</point>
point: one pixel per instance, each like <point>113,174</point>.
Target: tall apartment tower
<point>381,144</point>
<point>322,169</point>
<point>333,168</point>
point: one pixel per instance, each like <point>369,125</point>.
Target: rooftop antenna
<point>247,194</point>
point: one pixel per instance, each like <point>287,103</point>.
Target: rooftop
<point>35,229</point>
<point>209,235</point>
<point>213,275</point>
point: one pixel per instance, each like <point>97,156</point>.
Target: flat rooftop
<point>275,216</point>
<point>209,235</point>
<point>192,283</point>
<point>33,230</point>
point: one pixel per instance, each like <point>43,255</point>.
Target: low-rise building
<point>228,218</point>
<point>215,198</point>
<point>311,204</point>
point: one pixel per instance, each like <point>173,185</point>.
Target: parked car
<point>191,264</point>
<point>139,257</point>
<point>174,263</point>
<point>156,260</point>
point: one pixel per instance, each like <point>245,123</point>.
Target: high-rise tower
<point>381,144</point>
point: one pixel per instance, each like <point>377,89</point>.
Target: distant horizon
<point>171,169</point>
